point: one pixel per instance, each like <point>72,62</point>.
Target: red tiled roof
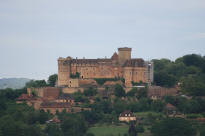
<point>25,97</point>
<point>170,106</point>
<point>55,105</point>
<point>114,56</point>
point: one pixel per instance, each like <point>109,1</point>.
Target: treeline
<point>188,71</point>
<point>52,79</point>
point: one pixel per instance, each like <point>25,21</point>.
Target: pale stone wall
<point>124,54</point>
<point>73,82</point>
<point>72,90</point>
<point>127,119</point>
<point>63,72</point>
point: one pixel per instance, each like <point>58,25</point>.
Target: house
<point>127,116</point>
<point>171,110</point>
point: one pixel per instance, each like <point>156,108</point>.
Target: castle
<point>120,65</point>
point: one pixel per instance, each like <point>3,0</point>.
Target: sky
<point>35,33</point>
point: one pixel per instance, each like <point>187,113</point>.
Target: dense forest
<point>188,72</point>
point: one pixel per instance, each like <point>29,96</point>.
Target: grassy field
<point>109,130</point>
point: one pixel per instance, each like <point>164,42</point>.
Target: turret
<point>124,54</point>
<point>63,71</point>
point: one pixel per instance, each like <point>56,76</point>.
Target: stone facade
<point>120,65</point>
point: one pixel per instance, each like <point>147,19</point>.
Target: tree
<point>173,127</point>
<point>139,129</point>
<point>157,105</point>
<point>142,93</point>
<point>132,92</point>
<point>52,80</point>
<point>132,130</point>
<point>90,92</point>
<point>164,79</point>
<point>193,85</point>
<point>74,126</point>
<point>36,83</point>
<point>53,130</point>
<point>119,91</point>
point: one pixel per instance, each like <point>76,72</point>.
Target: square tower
<point>124,54</point>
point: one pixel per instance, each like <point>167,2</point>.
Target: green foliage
<point>132,92</point>
<point>139,129</point>
<point>36,83</point>
<point>164,79</point>
<point>79,97</point>
<point>53,130</point>
<point>119,91</point>
<point>173,127</point>
<point>192,85</point>
<point>52,80</point>
<point>76,75</point>
<point>101,81</point>
<point>90,91</point>
<point>90,134</point>
<point>74,125</point>
<point>158,106</point>
<point>168,73</point>
<point>109,130</point>
<point>194,116</point>
<point>142,93</point>
<point>138,83</point>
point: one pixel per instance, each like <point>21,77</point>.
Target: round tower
<point>124,54</point>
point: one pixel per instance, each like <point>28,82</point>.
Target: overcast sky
<point>34,33</point>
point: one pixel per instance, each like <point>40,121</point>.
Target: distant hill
<point>14,83</point>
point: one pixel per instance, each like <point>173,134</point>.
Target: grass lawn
<point>109,130</point>
<point>144,114</point>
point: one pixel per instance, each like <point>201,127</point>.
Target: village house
<point>127,116</point>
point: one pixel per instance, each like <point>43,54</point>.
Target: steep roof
<point>127,114</point>
<point>170,106</point>
<point>114,56</point>
<point>134,63</point>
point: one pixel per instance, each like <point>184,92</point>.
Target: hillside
<point>14,83</point>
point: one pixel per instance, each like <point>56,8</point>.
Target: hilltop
<point>14,83</point>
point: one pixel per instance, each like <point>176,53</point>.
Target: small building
<point>53,107</point>
<point>171,110</point>
<point>127,116</point>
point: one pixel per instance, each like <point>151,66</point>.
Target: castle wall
<point>123,66</point>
